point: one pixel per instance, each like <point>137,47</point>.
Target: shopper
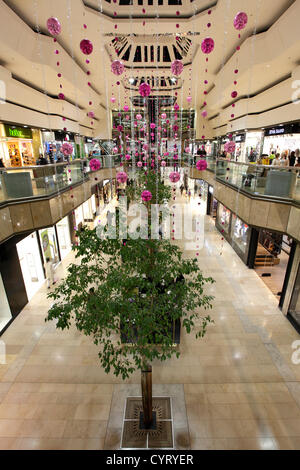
<point>1,163</point>
<point>298,163</point>
<point>181,189</point>
<point>42,160</point>
<point>284,160</point>
<point>276,161</point>
<point>49,268</point>
<point>292,159</point>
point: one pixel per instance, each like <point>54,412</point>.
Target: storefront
<point>212,203</point>
<point>294,307</point>
<point>53,142</point>
<point>272,259</point>
<point>31,264</point>
<point>282,139</point>
<point>253,146</point>
<point>19,146</point>
<point>234,230</point>
<point>239,147</point>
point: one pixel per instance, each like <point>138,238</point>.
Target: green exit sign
<point>17,132</point>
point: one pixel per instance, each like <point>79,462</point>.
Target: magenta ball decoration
<point>91,114</point>
<point>163,163</point>
<point>201,165</point>
<point>122,177</point>
<point>177,67</point>
<point>95,164</point>
<point>86,46</point>
<point>174,177</point>
<point>117,67</point>
<point>240,21</point>
<point>139,117</point>
<point>139,164</point>
<point>164,116</point>
<point>53,26</point>
<point>146,196</point>
<point>144,89</point>
<point>207,45</point>
<point>234,94</point>
<point>229,147</point>
<point>67,149</point>
<point>204,114</point>
<point>127,157</point>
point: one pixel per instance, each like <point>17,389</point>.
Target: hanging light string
<point>41,55</point>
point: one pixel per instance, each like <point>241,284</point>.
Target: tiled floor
<point>241,389</point>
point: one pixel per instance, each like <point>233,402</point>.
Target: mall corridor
<point>241,389</point>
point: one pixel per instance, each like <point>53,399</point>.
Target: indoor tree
<point>128,295</point>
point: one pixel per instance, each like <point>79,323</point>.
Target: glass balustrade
<point>45,180</point>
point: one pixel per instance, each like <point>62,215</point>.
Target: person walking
<point>284,160</point>
<point>276,160</point>
<point>49,268</point>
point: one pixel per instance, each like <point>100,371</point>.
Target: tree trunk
<point>146,382</point>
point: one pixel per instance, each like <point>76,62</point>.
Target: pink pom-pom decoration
<point>122,177</point>
<point>201,165</point>
<point>146,196</point>
<point>139,117</point>
<point>86,46</point>
<point>115,150</point>
<point>95,164</point>
<point>53,26</point>
<point>127,157</point>
<point>67,149</point>
<point>207,45</point>
<point>204,114</point>
<point>174,177</point>
<point>117,67</point>
<point>177,67</point>
<point>163,163</point>
<point>91,114</point>
<point>144,89</point>
<point>152,125</point>
<point>240,21</point>
<point>229,147</point>
<point>164,116</point>
<point>139,164</point>
<point>126,108</point>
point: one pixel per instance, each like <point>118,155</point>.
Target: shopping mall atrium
<point>149,225</point>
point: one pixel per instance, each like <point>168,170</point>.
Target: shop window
<point>224,218</point>
<point>240,233</point>
<point>31,264</point>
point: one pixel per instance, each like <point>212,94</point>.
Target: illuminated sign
<point>17,132</point>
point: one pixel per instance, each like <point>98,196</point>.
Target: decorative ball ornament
<point>201,165</point>
<point>174,177</point>
<point>164,116</point>
<point>86,46</point>
<point>115,150</point>
<point>229,147</point>
<point>139,117</point>
<point>126,108</point>
<point>144,89</point>
<point>117,67</point>
<point>207,45</point>
<point>91,114</point>
<point>139,164</point>
<point>67,149</point>
<point>234,94</point>
<point>95,164</point>
<point>240,21</point>
<point>204,114</point>
<point>113,99</point>
<point>122,177</point>
<point>152,125</point>
<point>163,163</point>
<point>53,26</point>
<point>61,96</point>
<point>189,99</point>
<point>146,196</point>
<point>127,157</point>
<point>177,67</point>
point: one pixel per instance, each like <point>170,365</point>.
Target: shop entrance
<point>272,259</point>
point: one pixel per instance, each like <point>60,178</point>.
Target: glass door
<point>31,264</point>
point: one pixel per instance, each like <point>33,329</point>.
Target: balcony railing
<point>46,180</point>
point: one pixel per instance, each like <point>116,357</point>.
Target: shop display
<point>240,233</point>
<point>224,217</point>
<point>49,244</point>
<point>64,239</point>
